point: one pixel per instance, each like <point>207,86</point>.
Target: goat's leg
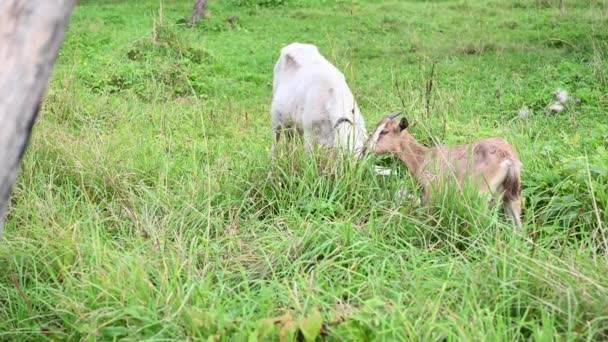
<point>309,140</point>
<point>277,122</point>
<point>277,137</point>
<point>280,132</point>
<point>513,209</point>
<point>425,196</point>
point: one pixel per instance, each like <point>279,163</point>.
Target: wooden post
<point>198,12</point>
<point>31,32</point>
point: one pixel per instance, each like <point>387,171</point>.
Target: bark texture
<point>31,32</point>
<point>198,12</point>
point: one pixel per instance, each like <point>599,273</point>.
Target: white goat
<point>489,164</point>
<point>310,97</point>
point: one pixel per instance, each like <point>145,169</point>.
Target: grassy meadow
<point>147,207</point>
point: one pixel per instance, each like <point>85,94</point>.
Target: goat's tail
<point>512,182</point>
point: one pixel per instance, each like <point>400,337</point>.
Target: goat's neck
<point>412,153</point>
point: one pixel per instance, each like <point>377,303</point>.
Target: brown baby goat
<point>489,164</point>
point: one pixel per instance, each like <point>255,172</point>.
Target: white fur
<point>555,108</point>
<point>524,112</point>
<point>561,96</point>
<point>310,96</point>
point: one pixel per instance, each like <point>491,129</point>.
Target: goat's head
<point>388,134</point>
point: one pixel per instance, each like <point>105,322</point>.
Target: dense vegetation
<point>146,207</point>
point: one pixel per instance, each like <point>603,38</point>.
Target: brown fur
<point>490,164</point>
<point>512,184</point>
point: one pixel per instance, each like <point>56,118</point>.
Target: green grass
<point>146,206</point>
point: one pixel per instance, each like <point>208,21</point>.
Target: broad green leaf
<point>311,326</point>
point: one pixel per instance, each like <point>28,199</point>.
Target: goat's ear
<point>403,124</point>
<point>290,61</point>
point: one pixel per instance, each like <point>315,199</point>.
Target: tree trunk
<point>198,12</point>
<point>31,32</point>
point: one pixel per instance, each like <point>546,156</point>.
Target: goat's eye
<point>383,132</point>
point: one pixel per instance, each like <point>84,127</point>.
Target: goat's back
<point>301,66</point>
<point>484,157</point>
